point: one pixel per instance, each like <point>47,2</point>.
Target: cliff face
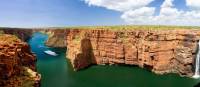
<point>17,63</point>
<point>23,34</point>
<point>161,51</point>
<point>57,37</point>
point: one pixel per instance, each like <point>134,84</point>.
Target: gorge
<point>56,71</point>
<point>161,51</point>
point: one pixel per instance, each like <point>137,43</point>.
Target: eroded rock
<point>17,63</point>
<point>161,51</point>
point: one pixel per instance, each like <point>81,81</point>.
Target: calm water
<point>57,72</point>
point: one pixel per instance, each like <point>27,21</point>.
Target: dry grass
<point>135,27</point>
<point>5,38</point>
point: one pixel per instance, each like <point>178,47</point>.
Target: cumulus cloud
<point>138,12</point>
<point>119,5</point>
<point>194,4</point>
<point>167,3</point>
<point>137,16</point>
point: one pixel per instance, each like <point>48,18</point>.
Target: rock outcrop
<point>57,38</point>
<point>23,34</point>
<point>161,51</point>
<point>17,63</point>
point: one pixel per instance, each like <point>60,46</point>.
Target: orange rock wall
<point>14,55</point>
<point>161,51</point>
<point>23,34</point>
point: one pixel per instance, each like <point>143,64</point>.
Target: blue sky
<point>30,13</point>
<point>59,13</point>
<point>177,3</point>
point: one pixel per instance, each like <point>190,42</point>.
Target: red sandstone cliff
<point>57,37</point>
<point>17,63</point>
<point>161,51</point>
<point>22,33</point>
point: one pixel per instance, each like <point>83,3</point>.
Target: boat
<point>50,53</point>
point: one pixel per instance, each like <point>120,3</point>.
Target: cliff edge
<point>17,63</point>
<point>161,51</point>
<point>57,38</point>
<point>21,33</point>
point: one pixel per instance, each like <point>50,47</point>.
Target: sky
<point>61,13</point>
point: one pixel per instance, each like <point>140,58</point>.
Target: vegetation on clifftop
<point>115,27</point>
<point>130,27</point>
<point>5,38</point>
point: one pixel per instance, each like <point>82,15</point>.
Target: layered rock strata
<point>22,33</point>
<point>17,63</point>
<point>57,37</point>
<point>161,51</point>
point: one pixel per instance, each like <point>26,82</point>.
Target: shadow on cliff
<point>23,34</point>
<point>188,41</point>
<point>86,58</point>
<point>87,50</point>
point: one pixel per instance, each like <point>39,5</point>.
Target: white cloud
<point>138,12</point>
<point>119,5</point>
<point>167,3</point>
<point>138,15</point>
<point>168,13</point>
<point>194,4</point>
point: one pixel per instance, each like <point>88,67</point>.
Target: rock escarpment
<point>161,51</point>
<point>57,38</point>
<point>23,34</point>
<point>17,63</point>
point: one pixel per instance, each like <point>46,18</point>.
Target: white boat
<point>50,53</point>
